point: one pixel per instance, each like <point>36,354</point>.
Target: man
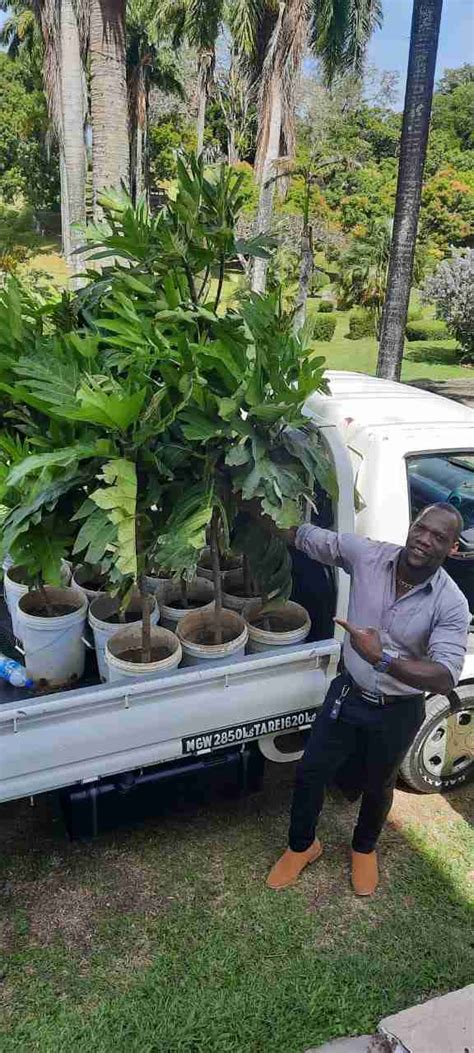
<point>406,635</point>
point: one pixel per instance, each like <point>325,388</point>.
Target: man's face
<point>430,539</point>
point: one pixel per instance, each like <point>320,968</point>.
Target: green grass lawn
<point>422,360</point>
<point>163,939</point>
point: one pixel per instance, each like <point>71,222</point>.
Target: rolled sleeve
<point>326,546</point>
<point>449,637</point>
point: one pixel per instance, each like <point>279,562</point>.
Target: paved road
<point>460,390</point>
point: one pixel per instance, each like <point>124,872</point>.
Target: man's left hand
<point>366,642</point>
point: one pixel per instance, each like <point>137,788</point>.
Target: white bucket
<point>87,574</point>
<point>195,653</point>
<point>232,592</point>
<point>200,595</point>
<point>54,648</point>
<point>121,669</point>
<point>204,570</point>
<point>293,616</point>
<point>13,589</point>
<point>102,609</point>
<point>158,586</point>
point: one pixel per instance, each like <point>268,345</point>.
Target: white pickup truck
<point>395,449</point>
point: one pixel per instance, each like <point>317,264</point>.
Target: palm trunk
<point>138,116</point>
<point>416,119</point>
<point>204,74</point>
<point>73,151</point>
<point>306,274</point>
<point>267,184</point>
<point>109,110</point>
<point>216,573</point>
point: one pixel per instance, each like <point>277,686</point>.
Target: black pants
<point>384,734</point>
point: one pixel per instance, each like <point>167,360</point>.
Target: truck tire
<point>441,756</point>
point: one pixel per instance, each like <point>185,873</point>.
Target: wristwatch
<point>383,664</point>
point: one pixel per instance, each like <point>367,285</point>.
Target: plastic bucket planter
<point>14,587</point>
<point>233,597</point>
<point>200,594</point>
<point>53,645</point>
<point>227,563</point>
<point>123,654</point>
<point>283,627</point>
<point>88,580</point>
<point>196,633</point>
<point>158,585</point>
<point>104,620</point>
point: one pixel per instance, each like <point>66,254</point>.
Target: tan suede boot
<point>288,867</point>
<point>365,873</point>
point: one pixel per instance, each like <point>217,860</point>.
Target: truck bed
<point>80,735</point>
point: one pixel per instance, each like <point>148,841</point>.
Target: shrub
<point>323,327</point>
<point>325,307</point>
<point>426,329</point>
<point>415,314</point>
<point>451,289</point>
<point>361,323</point>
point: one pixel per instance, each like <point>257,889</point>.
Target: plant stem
<point>146,626</point>
<point>246,576</point>
<point>220,283</point>
<point>184,591</point>
<point>216,573</point>
<point>47,605</point>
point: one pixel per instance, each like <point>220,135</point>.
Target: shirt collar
<point>430,582</point>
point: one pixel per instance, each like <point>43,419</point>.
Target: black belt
<point>383,699</point>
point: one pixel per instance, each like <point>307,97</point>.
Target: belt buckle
<point>374,700</point>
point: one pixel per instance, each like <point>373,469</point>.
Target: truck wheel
<point>442,754</point>
<point>284,749</point>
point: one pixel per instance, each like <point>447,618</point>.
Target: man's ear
<point>454,549</point>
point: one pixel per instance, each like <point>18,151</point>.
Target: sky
<point>389,46</point>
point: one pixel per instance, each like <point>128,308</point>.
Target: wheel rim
<point>449,748</point>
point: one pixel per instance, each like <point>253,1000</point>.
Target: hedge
<point>323,326</point>
<point>427,329</point>
<point>325,307</point>
<point>361,323</point>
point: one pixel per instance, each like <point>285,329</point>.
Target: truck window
<point>448,477</point>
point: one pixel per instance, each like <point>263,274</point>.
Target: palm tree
<point>337,34</point>
<point>53,26</point>
<point>416,120</point>
<point>108,97</point>
<point>149,63</point>
<point>196,22</point>
<point>363,270</point>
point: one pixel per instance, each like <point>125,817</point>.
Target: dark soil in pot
<point>135,655</point>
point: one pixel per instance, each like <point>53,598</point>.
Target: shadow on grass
<point>435,354</point>
<point>167,929</point>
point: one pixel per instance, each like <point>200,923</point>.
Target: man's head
<point>433,536</point>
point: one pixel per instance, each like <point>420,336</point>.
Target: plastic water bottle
<point>14,672</point>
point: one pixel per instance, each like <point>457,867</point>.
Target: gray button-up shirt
<point>431,621</point>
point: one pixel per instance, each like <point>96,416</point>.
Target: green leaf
<point>56,458</point>
<point>118,498</point>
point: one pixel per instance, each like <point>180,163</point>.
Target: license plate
<point>240,733</point>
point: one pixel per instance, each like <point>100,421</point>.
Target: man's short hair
<point>445,506</point>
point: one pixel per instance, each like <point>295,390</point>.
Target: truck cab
<point>394,449</point>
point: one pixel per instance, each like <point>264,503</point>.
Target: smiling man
<point>406,635</point>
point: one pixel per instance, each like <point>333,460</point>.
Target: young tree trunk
<point>267,185</point>
<point>73,162</point>
<point>216,573</point>
<point>109,109</point>
<point>146,626</point>
<point>306,274</point>
<point>416,119</point>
